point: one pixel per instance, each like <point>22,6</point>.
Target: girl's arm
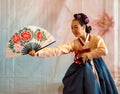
<point>99,51</point>
<point>56,51</point>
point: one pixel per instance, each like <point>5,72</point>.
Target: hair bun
<point>88,29</point>
<point>82,18</point>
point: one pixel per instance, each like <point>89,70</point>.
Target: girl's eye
<point>75,27</point>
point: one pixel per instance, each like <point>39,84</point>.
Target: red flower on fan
<point>39,35</point>
<point>16,38</point>
<point>25,35</point>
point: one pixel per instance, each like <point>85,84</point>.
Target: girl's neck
<point>84,36</point>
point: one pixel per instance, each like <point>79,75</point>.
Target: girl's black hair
<point>83,20</point>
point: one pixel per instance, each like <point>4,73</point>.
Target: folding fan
<point>27,39</point>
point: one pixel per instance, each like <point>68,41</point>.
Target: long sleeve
<point>56,51</point>
<point>99,51</point>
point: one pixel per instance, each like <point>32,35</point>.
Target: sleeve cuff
<point>89,56</point>
<point>37,54</point>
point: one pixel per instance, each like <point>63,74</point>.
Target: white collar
<point>86,40</point>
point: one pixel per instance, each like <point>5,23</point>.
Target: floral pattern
<point>103,23</point>
<point>39,35</point>
<point>16,38</point>
<point>116,76</point>
<point>25,35</point>
<point>20,39</point>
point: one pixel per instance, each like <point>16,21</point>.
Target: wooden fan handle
<point>32,52</point>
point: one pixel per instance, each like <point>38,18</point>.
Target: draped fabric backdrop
<point>33,75</point>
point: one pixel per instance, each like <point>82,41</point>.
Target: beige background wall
<point>27,75</point>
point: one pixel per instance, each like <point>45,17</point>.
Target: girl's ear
<point>83,27</point>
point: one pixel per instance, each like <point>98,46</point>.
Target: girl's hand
<point>32,53</point>
<point>84,58</point>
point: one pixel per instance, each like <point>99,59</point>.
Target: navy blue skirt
<point>80,79</point>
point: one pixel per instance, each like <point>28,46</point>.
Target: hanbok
<point>93,77</point>
<point>80,79</point>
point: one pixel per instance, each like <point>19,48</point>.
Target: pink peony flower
<point>18,47</point>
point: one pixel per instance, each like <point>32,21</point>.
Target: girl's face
<point>77,29</point>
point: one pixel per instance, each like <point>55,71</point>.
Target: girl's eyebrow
<point>73,25</point>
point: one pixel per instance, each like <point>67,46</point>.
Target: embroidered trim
<point>80,42</point>
<point>87,39</point>
<point>84,50</point>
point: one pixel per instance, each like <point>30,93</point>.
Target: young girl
<point>88,74</point>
